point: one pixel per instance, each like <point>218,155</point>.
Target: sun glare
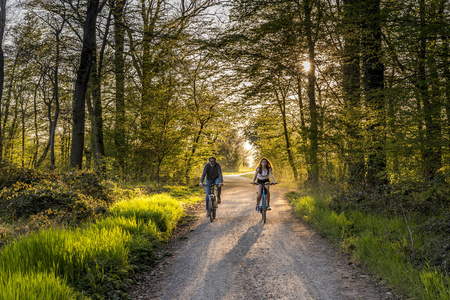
<point>306,66</point>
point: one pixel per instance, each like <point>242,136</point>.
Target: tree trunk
<point>281,100</point>
<point>352,92</point>
<point>56,98</point>
<point>373,82</point>
<point>431,109</point>
<point>313,172</point>
<point>2,68</point>
<point>117,7</point>
<point>97,111</point>
<point>84,70</point>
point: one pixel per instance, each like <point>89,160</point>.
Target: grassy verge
<point>381,244</point>
<point>95,260</point>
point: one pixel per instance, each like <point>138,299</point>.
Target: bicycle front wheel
<point>263,208</point>
<point>212,211</point>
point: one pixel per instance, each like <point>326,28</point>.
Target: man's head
<point>212,161</point>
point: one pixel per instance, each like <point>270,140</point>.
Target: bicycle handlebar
<point>267,183</point>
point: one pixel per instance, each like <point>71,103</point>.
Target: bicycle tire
<point>263,208</point>
<point>211,210</point>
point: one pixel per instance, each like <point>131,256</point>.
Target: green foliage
<point>94,260</point>
<point>426,199</point>
<point>386,245</point>
<point>10,175</point>
<point>36,285</point>
<point>45,199</point>
<point>161,209</point>
<point>24,200</point>
<point>88,184</point>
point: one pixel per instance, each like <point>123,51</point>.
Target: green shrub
<point>23,200</point>
<point>10,174</point>
<point>88,184</point>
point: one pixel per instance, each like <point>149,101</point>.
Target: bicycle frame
<point>263,202</point>
<point>212,202</point>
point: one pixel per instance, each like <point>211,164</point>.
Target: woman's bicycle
<point>263,205</point>
<point>212,202</point>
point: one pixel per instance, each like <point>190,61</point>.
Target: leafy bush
<point>23,200</point>
<point>88,184</point>
<point>421,198</point>
<point>9,175</point>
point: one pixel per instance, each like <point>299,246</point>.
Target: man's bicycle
<point>212,202</point>
<point>263,205</point>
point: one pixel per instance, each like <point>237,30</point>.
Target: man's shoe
<point>257,208</point>
<point>219,200</point>
<point>207,214</point>
<point>268,208</point>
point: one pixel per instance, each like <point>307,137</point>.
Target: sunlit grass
<point>162,209</point>
<point>83,257</point>
<point>35,285</point>
<point>95,259</point>
<point>377,242</point>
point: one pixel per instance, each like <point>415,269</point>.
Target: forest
<point>349,96</point>
<point>346,92</point>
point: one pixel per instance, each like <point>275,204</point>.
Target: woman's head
<point>264,163</point>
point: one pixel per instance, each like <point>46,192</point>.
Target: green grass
<point>96,259</point>
<point>35,285</point>
<point>377,242</point>
<point>84,258</point>
<point>162,209</point>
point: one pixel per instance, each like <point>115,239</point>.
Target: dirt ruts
<point>239,257</point>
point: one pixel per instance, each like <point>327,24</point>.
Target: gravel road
<point>239,257</point>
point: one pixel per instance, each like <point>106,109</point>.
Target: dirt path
<point>239,257</point>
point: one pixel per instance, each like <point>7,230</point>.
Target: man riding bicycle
<point>213,174</point>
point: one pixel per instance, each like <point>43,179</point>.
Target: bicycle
<point>263,203</point>
<point>212,203</point>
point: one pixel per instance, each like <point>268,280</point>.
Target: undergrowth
<point>75,236</point>
<point>390,246</point>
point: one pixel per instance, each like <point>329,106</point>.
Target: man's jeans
<point>208,190</point>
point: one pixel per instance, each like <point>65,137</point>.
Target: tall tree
<point>352,91</point>
<point>373,83</point>
<point>313,172</point>
<point>431,107</point>
<point>83,73</point>
<point>2,68</point>
<point>97,109</point>
<point>117,7</point>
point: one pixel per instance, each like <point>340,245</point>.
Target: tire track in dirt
<point>239,257</point>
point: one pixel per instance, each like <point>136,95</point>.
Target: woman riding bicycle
<point>262,173</point>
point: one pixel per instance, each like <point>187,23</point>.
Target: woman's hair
<point>269,165</point>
